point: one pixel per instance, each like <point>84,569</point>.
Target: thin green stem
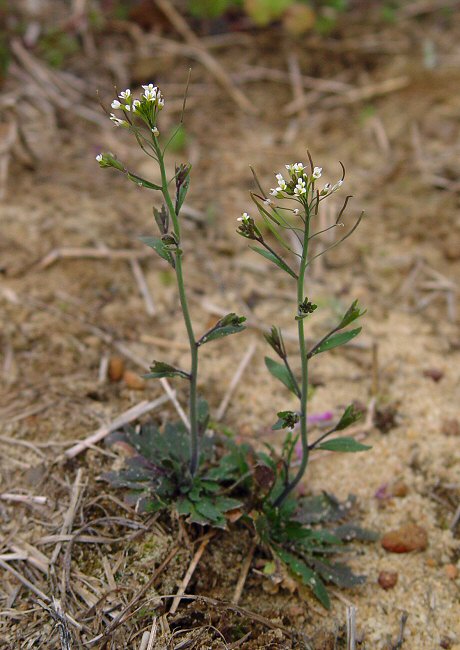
<point>194,442</point>
<point>303,356</point>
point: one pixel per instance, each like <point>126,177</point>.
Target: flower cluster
<point>247,227</point>
<point>147,107</point>
<point>300,182</point>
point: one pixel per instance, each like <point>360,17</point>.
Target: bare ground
<point>401,155</point>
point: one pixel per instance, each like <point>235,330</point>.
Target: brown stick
<point>214,67</point>
<point>90,253</point>
<point>243,574</point>
<point>128,416</point>
<point>193,564</point>
<point>119,619</point>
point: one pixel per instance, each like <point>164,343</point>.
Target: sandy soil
<point>401,155</point>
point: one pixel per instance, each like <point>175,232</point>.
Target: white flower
<point>150,88</point>
<point>296,210</point>
<point>99,157</point>
<point>317,172</point>
<point>244,217</point>
<point>136,103</point>
<point>125,94</point>
<point>279,177</point>
<point>155,131</point>
<point>275,191</point>
<point>127,107</point>
<point>295,167</point>
<point>267,201</point>
<point>115,104</point>
<point>300,188</point>
<point>116,120</point>
<point>150,96</point>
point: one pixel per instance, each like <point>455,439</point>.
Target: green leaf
<point>349,416</point>
<point>323,507</point>
<point>344,445</point>
<point>336,340</point>
<point>224,504</point>
<point>276,260</point>
<point>352,313</point>
<point>208,8</point>
<point>281,372</point>
<point>142,182</point>
<point>159,247</point>
<point>229,324</point>
<point>352,532</point>
<point>207,509</point>
<point>160,369</point>
<point>338,573</point>
<point>263,12</point>
<point>307,575</point>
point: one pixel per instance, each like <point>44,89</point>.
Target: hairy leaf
<point>323,507</point>
<point>340,574</point>
<point>309,577</point>
<point>350,532</point>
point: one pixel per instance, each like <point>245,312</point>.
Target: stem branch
<point>194,442</point>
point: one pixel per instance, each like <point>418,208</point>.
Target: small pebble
<point>133,381</point>
<point>116,368</point>
<point>405,539</point>
<point>451,571</point>
<point>399,489</point>
<point>450,427</point>
<point>433,373</point>
<point>387,579</point>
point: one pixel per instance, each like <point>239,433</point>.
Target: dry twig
<point>235,381</point>
<point>214,67</point>
<point>243,574</point>
<point>193,564</point>
<point>131,414</point>
<point>143,288</point>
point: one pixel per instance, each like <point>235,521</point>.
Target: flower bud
<point>109,160</point>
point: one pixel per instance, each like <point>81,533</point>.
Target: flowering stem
<point>304,359</point>
<point>194,447</point>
